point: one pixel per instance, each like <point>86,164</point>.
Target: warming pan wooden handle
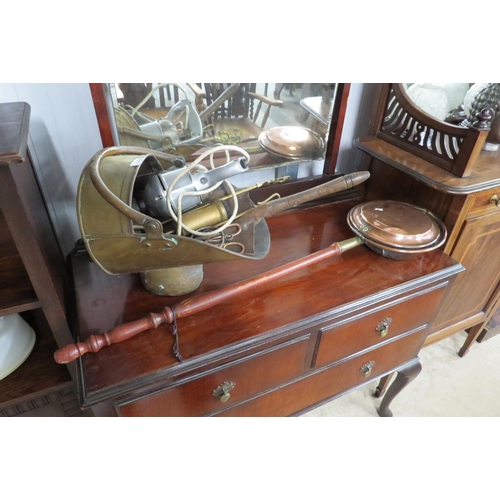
<point>197,304</point>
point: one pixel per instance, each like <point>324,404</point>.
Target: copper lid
<point>292,142</point>
<point>397,225</point>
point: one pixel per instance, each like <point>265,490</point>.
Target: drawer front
<point>344,339</point>
<point>249,375</point>
<point>329,382</point>
<point>485,202</point>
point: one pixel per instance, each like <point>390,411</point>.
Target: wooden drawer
<point>361,331</point>
<point>327,383</point>
<point>483,202</point>
<point>251,375</point>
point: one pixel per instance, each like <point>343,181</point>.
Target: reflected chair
<point>142,97</point>
<point>236,119</point>
<point>161,128</point>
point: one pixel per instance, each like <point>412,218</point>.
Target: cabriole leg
<point>404,377</point>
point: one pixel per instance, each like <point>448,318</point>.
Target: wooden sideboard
<point>278,350</point>
<point>468,207</point>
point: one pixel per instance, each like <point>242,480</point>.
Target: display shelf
<point>483,175</point>
<point>32,275</point>
<point>16,292</point>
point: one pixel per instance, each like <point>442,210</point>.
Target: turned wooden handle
<point>123,332</point>
<point>275,207</point>
<point>198,303</point>
<point>209,299</point>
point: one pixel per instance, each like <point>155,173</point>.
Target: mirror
<point>281,125</point>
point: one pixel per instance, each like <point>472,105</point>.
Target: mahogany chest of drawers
<point>278,350</point>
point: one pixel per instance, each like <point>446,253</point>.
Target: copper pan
<point>292,143</point>
<point>395,229</point>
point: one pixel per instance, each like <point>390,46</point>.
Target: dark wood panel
<point>16,292</point>
<point>62,402</point>
<point>101,111</point>
<point>336,126</point>
<point>24,209</point>
<point>32,271</point>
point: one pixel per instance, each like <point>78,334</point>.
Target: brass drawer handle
<point>495,200</point>
<point>383,327</point>
<point>366,369</point>
<point>222,391</point>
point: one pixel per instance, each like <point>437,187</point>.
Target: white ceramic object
<point>17,339</point>
<point>432,98</point>
<point>456,93</point>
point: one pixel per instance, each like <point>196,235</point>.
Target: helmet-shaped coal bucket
<point>121,238</point>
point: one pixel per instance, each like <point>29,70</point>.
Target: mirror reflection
<point>442,101</point>
<point>451,102</point>
<point>278,123</point>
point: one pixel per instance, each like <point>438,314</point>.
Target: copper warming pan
<point>392,229</point>
<point>396,230</point>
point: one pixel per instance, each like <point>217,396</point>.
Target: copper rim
<point>292,142</point>
<point>396,225</point>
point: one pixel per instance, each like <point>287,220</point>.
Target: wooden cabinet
<point>31,279</point>
<point>474,289</point>
<point>280,349</point>
<point>468,207</point>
